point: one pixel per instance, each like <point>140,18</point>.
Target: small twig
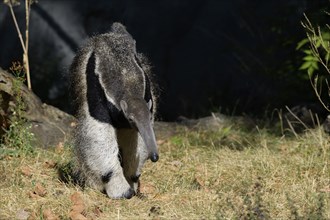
<point>16,25</point>
<point>26,57</point>
<point>281,121</point>
<point>296,117</point>
<point>26,44</point>
<point>291,127</point>
<point>27,24</point>
<point>314,85</point>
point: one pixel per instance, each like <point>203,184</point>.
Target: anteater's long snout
<point>148,135</point>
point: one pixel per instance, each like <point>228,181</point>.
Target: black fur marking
<point>106,177</point>
<point>120,158</point>
<point>99,107</point>
<point>136,178</point>
<point>97,102</point>
<point>118,118</point>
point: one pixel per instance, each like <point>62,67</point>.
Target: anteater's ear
<point>123,106</point>
<point>118,28</point>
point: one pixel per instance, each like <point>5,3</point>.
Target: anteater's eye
<point>131,118</point>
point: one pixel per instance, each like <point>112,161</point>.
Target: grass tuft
<point>223,174</point>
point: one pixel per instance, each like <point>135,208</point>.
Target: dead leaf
<point>49,215</point>
<point>59,148</point>
<point>32,216</point>
<point>78,207</point>
<point>76,216</point>
<point>97,211</point>
<point>76,198</point>
<point>26,171</point>
<point>40,190</point>
<point>199,182</point>
<point>32,195</point>
<point>160,142</point>
<point>50,164</point>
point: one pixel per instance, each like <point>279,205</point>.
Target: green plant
<point>315,211</point>
<point>316,49</point>
<point>18,139</point>
<point>252,206</point>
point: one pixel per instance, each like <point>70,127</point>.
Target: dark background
<point>236,56</point>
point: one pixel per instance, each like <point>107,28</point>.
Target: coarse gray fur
<point>115,104</point>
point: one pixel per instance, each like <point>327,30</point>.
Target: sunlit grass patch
<point>226,174</point>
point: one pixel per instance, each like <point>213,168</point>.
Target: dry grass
<point>224,174</point>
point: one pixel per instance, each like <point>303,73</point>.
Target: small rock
<point>22,214</point>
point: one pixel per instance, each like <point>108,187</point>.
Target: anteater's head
<point>138,112</point>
